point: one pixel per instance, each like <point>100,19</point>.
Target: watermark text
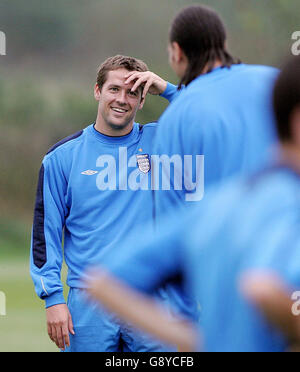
<point>296,305</point>
<point>2,44</point>
<point>2,304</point>
<point>296,44</point>
<point>155,172</point>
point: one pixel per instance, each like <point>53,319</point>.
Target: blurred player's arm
<point>274,300</point>
<point>152,84</point>
<point>137,269</point>
<point>141,311</point>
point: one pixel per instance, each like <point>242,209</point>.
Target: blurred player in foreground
<point>220,125</point>
<point>91,192</point>
<point>238,252</point>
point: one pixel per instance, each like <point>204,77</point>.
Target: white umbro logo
<point>89,173</point>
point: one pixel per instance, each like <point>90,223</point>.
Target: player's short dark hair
<point>286,97</point>
<point>201,34</point>
<point>117,62</point>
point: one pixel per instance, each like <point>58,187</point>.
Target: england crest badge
<point>143,161</point>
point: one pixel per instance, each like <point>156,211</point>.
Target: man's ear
<point>177,52</point>
<point>97,92</point>
<point>295,126</point>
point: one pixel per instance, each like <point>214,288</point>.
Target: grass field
<point>23,329</point>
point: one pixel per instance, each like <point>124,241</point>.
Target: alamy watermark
<point>296,45</point>
<point>296,305</point>
<point>2,304</point>
<point>155,172</point>
<point>2,44</point>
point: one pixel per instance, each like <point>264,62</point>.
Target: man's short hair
<point>118,62</point>
<point>286,97</point>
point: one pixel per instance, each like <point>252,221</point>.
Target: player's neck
<point>290,155</point>
<point>217,64</point>
<point>111,130</point>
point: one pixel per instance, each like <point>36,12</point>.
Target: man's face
<point>117,104</point>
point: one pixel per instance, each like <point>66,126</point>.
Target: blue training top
<point>242,226</point>
<point>221,125</point>
<point>96,189</point>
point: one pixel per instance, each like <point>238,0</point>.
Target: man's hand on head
<point>152,83</point>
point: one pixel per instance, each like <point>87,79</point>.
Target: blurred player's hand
<point>140,310</point>
<point>59,323</point>
<point>153,84</point>
<point>270,295</point>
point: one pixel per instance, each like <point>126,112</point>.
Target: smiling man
<point>80,194</point>
<point>118,105</point>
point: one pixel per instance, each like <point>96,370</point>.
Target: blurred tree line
<point>53,52</point>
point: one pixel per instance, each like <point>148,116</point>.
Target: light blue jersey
<point>92,188</point>
<point>252,225</point>
<point>221,125</point>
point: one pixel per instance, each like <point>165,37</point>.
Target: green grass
<point>23,329</point>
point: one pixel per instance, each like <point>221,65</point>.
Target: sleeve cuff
<point>170,91</point>
<point>55,299</point>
